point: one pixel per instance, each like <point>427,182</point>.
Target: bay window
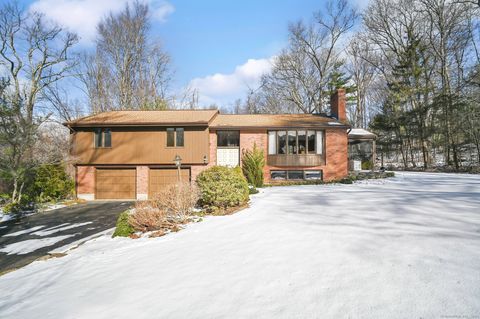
<point>311,142</point>
<point>295,142</point>
<point>272,143</point>
<point>282,142</point>
<point>302,142</point>
<point>292,142</point>
<point>319,147</point>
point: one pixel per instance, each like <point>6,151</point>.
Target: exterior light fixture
<point>178,162</point>
<point>205,160</point>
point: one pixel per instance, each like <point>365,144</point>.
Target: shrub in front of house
<point>178,201</point>
<point>123,227</point>
<point>253,162</point>
<point>222,187</point>
<point>147,216</point>
<point>367,165</point>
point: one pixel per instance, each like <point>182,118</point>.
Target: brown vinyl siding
<point>141,146</point>
<point>115,183</point>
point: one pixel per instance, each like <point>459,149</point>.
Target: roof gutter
<point>280,127</point>
<point>151,124</point>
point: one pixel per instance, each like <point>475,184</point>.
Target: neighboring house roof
<point>360,133</point>
<point>273,121</point>
<point>146,118</point>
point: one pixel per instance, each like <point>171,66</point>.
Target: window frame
<point>175,130</point>
<point>230,131</point>
<point>296,147</point>
<point>320,172</point>
<point>303,172</point>
<point>101,132</point>
<point>280,172</point>
<point>297,172</point>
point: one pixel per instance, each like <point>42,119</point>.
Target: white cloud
<point>161,10</point>
<point>225,88</point>
<point>82,16</point>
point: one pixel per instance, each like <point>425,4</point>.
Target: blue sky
<point>217,47</point>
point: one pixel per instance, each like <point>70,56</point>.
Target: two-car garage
<point>121,183</point>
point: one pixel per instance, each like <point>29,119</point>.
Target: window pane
<point>319,142</point>
<point>179,137</point>
<point>292,142</point>
<point>278,175</point>
<point>282,142</point>
<point>272,143</point>
<point>295,175</point>
<point>170,137</point>
<point>313,174</point>
<point>228,138</point>
<point>311,142</point>
<point>107,142</point>
<point>98,137</point>
<point>302,142</point>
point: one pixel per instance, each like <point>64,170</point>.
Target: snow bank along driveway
<point>407,247</point>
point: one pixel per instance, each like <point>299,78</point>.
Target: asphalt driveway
<point>25,241</point>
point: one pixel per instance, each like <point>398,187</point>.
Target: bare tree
<point>59,102</point>
<point>363,74</point>
<point>186,98</point>
<point>128,70</point>
<point>301,74</point>
<point>34,56</point>
<point>449,37</point>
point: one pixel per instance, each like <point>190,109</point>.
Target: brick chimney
<point>337,105</point>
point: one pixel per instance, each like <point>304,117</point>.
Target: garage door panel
<point>160,178</point>
<point>115,184</point>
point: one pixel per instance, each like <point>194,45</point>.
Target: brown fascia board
<point>342,126</point>
<point>149,124</point>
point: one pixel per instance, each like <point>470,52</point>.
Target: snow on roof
<point>361,133</point>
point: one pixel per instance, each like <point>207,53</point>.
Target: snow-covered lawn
<point>407,247</point>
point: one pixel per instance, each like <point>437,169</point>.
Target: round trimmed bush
<point>222,187</point>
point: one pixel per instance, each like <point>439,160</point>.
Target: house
<point>130,154</point>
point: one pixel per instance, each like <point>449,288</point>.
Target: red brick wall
<point>85,179</point>
<point>336,145</point>
<point>258,137</point>
<point>336,166</point>
<point>338,105</point>
<point>142,182</point>
<point>249,138</point>
<point>213,148</point>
